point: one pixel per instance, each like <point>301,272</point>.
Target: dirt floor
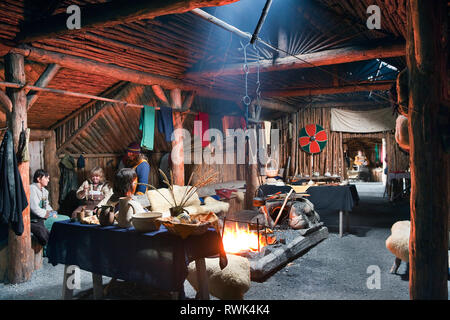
<point>336,268</point>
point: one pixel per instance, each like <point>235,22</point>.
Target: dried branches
<point>203,179</point>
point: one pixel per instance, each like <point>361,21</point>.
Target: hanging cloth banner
<point>362,121</point>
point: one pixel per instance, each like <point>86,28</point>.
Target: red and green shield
<point>312,138</point>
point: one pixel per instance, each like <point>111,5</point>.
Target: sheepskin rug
<point>214,205</point>
<point>162,201</point>
<point>398,241</point>
<point>231,283</point>
<point>401,132</point>
<point>159,203</point>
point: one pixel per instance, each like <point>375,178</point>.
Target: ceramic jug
<point>105,215</point>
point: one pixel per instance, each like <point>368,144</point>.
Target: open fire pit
<point>267,249</point>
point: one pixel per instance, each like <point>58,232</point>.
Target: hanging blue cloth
<point>147,126</point>
<point>165,122</point>
<point>81,163</point>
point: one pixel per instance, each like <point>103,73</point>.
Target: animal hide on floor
<point>231,283</point>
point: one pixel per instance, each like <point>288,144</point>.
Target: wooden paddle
<point>282,207</point>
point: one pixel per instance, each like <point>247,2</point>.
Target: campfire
<point>237,239</point>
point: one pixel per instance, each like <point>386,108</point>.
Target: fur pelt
<point>231,283</point>
<point>401,132</point>
<point>162,203</point>
<point>398,241</point>
<point>403,91</point>
<point>193,205</point>
<point>214,205</point>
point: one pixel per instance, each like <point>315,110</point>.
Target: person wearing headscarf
<point>137,161</point>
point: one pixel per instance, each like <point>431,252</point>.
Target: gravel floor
<point>336,268</point>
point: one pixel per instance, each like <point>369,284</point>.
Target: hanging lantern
<point>313,138</point>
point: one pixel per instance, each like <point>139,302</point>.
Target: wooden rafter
<point>353,87</point>
<point>322,58</point>
<point>109,14</point>
<point>43,81</point>
<point>94,67</point>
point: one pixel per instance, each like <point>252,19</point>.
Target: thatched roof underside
<point>184,46</point>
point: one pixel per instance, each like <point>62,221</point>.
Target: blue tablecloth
<point>158,258</point>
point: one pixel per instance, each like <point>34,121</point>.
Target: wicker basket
<point>272,171</point>
<point>184,230</point>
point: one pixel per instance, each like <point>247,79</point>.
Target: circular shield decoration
<point>312,138</point>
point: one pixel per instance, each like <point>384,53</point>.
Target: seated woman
<point>125,184</point>
<point>92,191</point>
<point>42,215</point>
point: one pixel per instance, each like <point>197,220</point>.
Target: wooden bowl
<point>146,221</point>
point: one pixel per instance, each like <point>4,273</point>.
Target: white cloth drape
<point>362,121</point>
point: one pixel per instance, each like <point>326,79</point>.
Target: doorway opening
<point>364,159</point>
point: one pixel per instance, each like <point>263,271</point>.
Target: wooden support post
<point>341,223</point>
<point>97,283</point>
<point>45,78</point>
<point>20,253</point>
<point>175,97</point>
<point>202,279</point>
<point>51,165</point>
<point>67,293</point>
<point>426,56</point>
<point>50,161</point>
<point>177,154</point>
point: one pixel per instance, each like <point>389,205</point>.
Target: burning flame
<point>236,239</point>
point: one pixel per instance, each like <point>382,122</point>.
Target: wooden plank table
<point>158,258</point>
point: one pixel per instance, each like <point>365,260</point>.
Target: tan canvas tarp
<point>362,121</point>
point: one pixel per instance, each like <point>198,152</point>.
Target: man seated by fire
<point>42,215</point>
<point>92,191</point>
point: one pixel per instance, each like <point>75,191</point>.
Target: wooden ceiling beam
<point>276,106</point>
<point>348,88</point>
<point>43,81</point>
<point>108,14</point>
<point>309,60</point>
<point>114,71</point>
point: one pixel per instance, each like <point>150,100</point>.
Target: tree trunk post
<point>20,257</point>
<point>177,154</point>
<point>426,59</point>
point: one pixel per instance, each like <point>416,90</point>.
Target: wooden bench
<point>38,252</point>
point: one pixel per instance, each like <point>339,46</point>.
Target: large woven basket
<point>184,230</point>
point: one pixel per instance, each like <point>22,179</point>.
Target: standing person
<point>137,161</point>
<point>42,216</point>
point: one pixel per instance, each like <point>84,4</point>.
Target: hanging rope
<point>246,99</point>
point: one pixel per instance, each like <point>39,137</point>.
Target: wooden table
<point>158,259</point>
